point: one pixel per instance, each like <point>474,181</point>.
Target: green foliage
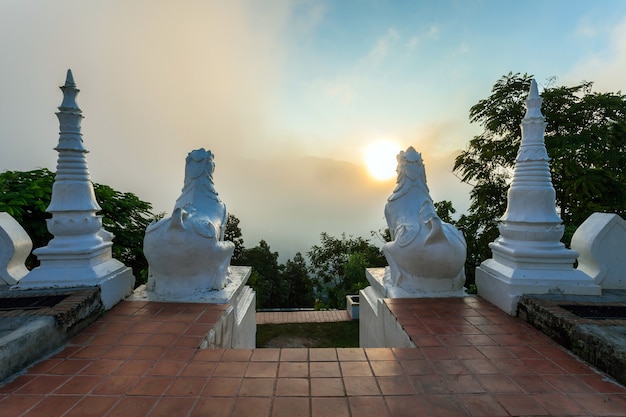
<point>445,210</point>
<point>354,273</point>
<point>300,286</point>
<point>26,195</point>
<point>277,285</point>
<point>585,137</point>
<point>329,260</point>
<point>267,278</point>
<point>233,234</point>
<point>127,217</point>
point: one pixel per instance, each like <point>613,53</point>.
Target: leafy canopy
<point>26,195</point>
<point>278,285</point>
<point>338,266</point>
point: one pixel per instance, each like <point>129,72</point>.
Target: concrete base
<point>115,280</point>
<point>380,279</point>
<point>237,327</point>
<point>26,336</point>
<point>378,327</point>
<point>23,340</point>
<point>503,286</point>
<point>352,306</point>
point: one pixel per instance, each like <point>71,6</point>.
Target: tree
<point>26,195</point>
<point>266,277</point>
<point>585,137</point>
<point>445,210</point>
<point>233,234</point>
<point>328,262</point>
<point>354,278</point>
<point>127,217</point>
<point>300,286</point>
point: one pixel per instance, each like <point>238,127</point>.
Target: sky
<point>288,94</point>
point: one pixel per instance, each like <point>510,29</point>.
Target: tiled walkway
<point>141,359</point>
<point>324,316</point>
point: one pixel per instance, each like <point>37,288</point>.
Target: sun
<point>380,159</point>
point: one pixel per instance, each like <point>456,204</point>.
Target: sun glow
<point>380,159</point>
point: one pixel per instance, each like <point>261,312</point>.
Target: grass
<point>305,335</point>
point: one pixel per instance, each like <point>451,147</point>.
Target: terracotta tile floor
<point>141,359</point>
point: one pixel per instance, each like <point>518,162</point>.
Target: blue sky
<point>287,94</point>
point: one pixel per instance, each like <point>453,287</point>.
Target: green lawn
<point>305,335</point>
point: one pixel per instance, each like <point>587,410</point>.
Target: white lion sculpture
<point>425,255</point>
<point>187,253</point>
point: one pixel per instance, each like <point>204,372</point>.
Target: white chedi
<point>425,254</point>
<point>186,253</point>
<point>528,257</point>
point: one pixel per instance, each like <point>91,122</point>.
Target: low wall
<point>378,327</point>
<point>236,329</point>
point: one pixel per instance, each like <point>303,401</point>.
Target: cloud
<point>380,50</point>
<point>289,202</point>
<point>605,67</point>
<point>157,81</point>
<point>431,32</point>
<point>343,89</point>
<point>312,15</point>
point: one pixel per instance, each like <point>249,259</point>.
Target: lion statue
<point>425,254</point>
<point>186,253</point>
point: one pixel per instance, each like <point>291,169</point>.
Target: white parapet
<point>601,242</point>
<point>15,246</point>
<point>378,327</point>
<point>237,327</point>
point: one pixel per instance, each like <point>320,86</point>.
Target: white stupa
<point>79,255</point>
<point>528,256</point>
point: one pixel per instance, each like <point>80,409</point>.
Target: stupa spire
<point>528,256</point>
<point>72,175</point>
<point>531,189</point>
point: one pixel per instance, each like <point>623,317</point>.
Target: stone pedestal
<point>380,279</point>
<point>115,279</point>
<point>237,327</point>
<point>378,327</point>
<point>503,285</point>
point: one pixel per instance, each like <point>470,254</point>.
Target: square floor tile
<point>325,407</point>
<point>291,407</point>
<point>257,387</point>
<point>361,386</point>
<point>327,387</point>
<point>324,369</point>
<point>292,387</point>
<point>246,407</point>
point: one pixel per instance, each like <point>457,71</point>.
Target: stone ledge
<point>602,343</point>
<point>79,304</point>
